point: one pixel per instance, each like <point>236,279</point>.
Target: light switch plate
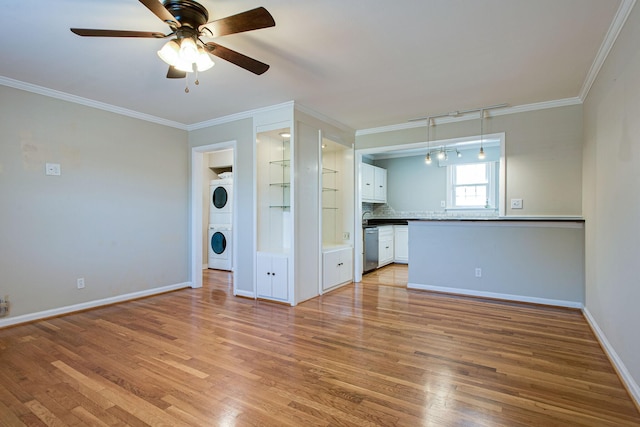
<point>516,203</point>
<point>52,169</point>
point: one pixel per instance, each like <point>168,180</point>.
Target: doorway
<point>203,171</point>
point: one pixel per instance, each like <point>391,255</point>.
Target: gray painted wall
<point>611,197</point>
<point>543,155</point>
<point>531,260</point>
<point>117,215</point>
<point>414,186</point>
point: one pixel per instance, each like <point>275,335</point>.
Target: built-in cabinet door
<point>380,181</point>
<point>367,188</point>
<point>264,275</point>
<point>330,269</point>
<point>385,245</point>
<point>272,274</point>
<point>279,278</point>
<point>337,267</point>
<point>401,244</point>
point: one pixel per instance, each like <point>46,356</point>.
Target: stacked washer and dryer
<point>220,222</point>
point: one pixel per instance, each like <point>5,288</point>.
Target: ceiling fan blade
<point>87,32</point>
<point>246,21</point>
<point>161,12</point>
<point>174,73</point>
<point>237,58</point>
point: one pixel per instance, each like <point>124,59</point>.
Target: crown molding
<point>28,87</point>
<point>607,44</point>
<point>474,116</point>
<point>238,116</point>
<point>306,110</point>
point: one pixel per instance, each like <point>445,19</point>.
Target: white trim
<point>473,116</point>
<point>241,293</point>
<point>306,110</point>
<point>238,116</point>
<point>500,222</point>
<point>607,44</point>
<point>623,372</point>
<point>16,84</point>
<point>495,295</point>
<point>11,321</point>
<point>197,164</point>
<point>205,266</point>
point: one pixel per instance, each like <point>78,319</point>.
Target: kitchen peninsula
<point>538,260</point>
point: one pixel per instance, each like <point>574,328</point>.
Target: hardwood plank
<point>370,353</point>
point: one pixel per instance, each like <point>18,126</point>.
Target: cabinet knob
<point>268,274</point>
<point>368,183</point>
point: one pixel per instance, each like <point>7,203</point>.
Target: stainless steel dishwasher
<point>370,249</point>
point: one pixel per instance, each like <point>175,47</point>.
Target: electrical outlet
<point>478,272</point>
<point>443,204</point>
<point>52,169</point>
<point>345,235</point>
<point>516,203</point>
<point>4,306</point>
<point>81,283</point>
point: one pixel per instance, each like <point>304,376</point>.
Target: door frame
<point>197,209</point>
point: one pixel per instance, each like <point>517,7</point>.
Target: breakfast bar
<point>537,260</point>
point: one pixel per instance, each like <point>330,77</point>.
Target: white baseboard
<point>623,372</point>
<point>495,295</point>
<point>246,294</point>
<point>24,318</point>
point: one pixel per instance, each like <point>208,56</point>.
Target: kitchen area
<point>442,211</point>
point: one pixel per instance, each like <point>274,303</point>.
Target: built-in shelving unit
<point>274,226</point>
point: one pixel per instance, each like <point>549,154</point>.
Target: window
<point>471,186</point>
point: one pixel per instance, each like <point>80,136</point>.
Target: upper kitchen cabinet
<point>373,186</point>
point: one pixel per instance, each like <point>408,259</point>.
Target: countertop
<point>372,222</point>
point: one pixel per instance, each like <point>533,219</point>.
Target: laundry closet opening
<point>217,216</point>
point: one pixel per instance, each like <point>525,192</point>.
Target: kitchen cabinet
<point>380,185</point>
<point>374,184</point>
<point>272,272</point>
<point>337,267</point>
<point>401,244</point>
<point>385,245</point>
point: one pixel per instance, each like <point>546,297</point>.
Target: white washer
<point>220,201</point>
<point>220,247</point>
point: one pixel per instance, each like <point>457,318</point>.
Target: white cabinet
<point>367,185</point>
<point>272,272</point>
<point>337,267</point>
<point>385,245</point>
<point>401,244</point>
<point>380,183</point>
<point>374,184</point>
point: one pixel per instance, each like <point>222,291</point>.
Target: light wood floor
<point>366,354</point>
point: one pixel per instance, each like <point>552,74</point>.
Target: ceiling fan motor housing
<point>187,12</point>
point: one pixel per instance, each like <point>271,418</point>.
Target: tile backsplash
<point>384,211</point>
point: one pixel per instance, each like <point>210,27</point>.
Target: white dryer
<point>220,247</point>
<point>220,201</point>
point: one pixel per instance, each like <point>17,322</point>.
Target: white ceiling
<point>364,63</point>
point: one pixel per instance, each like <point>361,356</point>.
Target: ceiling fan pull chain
<point>197,82</point>
<point>186,84</point>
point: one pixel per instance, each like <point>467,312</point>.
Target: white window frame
<point>491,187</point>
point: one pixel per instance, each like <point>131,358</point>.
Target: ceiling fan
<point>186,52</point>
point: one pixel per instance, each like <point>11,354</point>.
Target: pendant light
<point>430,122</point>
<point>481,154</point>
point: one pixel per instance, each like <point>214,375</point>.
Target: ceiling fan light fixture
<point>204,62</point>
<point>188,50</point>
<point>185,66</point>
<point>170,52</point>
